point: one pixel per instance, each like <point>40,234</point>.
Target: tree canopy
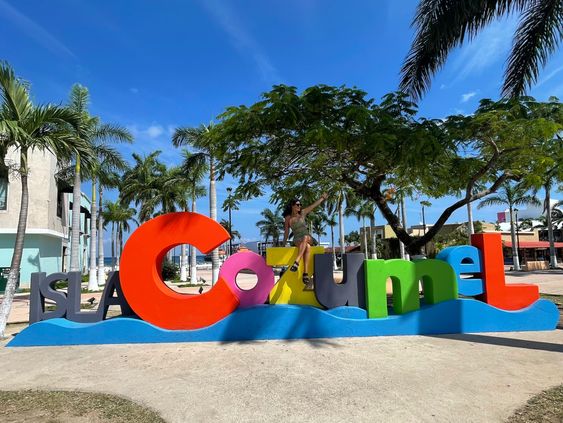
<point>327,137</point>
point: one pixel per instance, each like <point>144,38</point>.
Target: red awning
<point>533,244</point>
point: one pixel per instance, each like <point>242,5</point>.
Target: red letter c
<point>142,282</point>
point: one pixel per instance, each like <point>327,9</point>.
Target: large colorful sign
<point>463,290</point>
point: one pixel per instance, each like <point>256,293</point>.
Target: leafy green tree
<point>458,236</point>
<point>271,226</point>
<point>27,127</point>
<point>511,195</point>
<point>325,138</point>
<point>353,238</point>
<point>443,25</point>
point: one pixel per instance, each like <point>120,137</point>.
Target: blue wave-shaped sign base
<point>299,322</point>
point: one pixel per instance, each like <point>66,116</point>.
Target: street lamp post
<point>424,204</point>
<point>423,226</point>
<point>517,236</point>
<point>230,223</point>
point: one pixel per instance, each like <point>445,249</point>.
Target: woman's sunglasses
<point>298,204</point>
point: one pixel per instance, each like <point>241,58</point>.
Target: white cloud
<point>467,96</point>
<point>549,76</point>
<point>33,30</point>
<point>150,132</point>
<point>155,131</point>
<point>443,86</point>
<point>489,47</point>
<point>134,90</point>
<point>241,38</point>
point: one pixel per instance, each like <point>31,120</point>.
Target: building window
<point>60,202</point>
<point>3,192</point>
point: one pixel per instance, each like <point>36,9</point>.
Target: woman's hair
<point>287,210</point>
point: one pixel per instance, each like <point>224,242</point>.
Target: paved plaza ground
<point>465,378</point>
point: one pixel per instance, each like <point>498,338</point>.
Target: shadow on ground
<point>503,341</point>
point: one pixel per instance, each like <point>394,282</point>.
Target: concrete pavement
<point>462,378</point>
<point>465,378</point>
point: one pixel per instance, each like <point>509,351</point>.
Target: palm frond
<point>441,25</point>
<point>79,99</point>
<point>538,35</point>
<point>111,132</point>
<point>492,201</point>
<point>14,94</point>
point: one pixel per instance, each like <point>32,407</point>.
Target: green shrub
<point>169,270</point>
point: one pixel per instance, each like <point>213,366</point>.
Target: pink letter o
<point>252,261</point>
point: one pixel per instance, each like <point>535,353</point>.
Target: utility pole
<point>423,225</point>
<point>404,222</point>
<point>230,223</point>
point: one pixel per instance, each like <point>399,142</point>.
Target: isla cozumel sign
<point>464,290</point>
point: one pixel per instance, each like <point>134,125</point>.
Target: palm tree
<point>332,222</point>
<point>27,127</point>
<point>141,183</point>
<point>512,196</point>
<point>442,25</point>
<point>361,212</point>
<point>98,136</point>
<point>200,139</point>
<point>318,224</point>
<point>122,216</point>
<point>229,228</point>
<point>106,161</point>
<point>194,168</point>
<point>231,203</point>
<point>339,204</point>
<point>271,226</point>
<point>105,179</point>
<point>109,215</point>
<point>548,185</point>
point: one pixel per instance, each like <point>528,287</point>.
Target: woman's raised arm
<point>317,203</point>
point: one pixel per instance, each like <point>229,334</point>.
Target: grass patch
<point>65,406</point>
<point>545,407</point>
<point>189,285</point>
<point>557,299</point>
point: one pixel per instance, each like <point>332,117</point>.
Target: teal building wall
<point>41,253</point>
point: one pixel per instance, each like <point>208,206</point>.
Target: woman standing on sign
<point>294,216</point>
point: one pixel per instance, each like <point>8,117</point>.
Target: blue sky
<point>152,66</point>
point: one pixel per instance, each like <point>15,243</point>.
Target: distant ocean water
<point>200,260</point>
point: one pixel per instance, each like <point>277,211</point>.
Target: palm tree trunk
<point>213,215</point>
<point>75,232</point>
<point>118,244</point>
<point>101,263</point>
<point>193,267</point>
<point>13,276</point>
<point>113,245</point>
<point>332,247</point>
<point>373,237</point>
<point>402,219</point>
<point>365,238</point>
<point>405,225</point>
<point>550,237</point>
<point>183,264</point>
<point>470,227</point>
<point>515,258</point>
<point>93,278</point>
<point>341,228</point>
